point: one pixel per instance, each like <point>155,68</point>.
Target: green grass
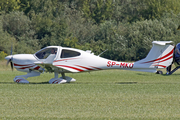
<point>101,95</point>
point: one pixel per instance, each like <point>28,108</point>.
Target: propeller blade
<point>10,58</point>
<point>11,66</point>
<point>11,63</point>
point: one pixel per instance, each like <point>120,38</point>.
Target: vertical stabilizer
<point>160,56</point>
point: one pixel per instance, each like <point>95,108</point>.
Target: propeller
<point>10,60</point>
<point>11,63</point>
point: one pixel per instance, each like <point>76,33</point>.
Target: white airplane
<point>61,60</point>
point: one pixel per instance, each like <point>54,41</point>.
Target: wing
<point>70,68</point>
<point>61,68</point>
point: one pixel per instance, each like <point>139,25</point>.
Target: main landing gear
<point>63,79</point>
<point>55,80</point>
<point>159,72</point>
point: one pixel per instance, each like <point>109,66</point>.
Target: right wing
<point>62,68</point>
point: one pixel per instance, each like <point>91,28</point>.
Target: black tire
<point>159,72</point>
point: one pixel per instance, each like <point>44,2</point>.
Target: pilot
<point>53,51</point>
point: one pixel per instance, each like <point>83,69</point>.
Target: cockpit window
<point>69,53</point>
<point>45,53</point>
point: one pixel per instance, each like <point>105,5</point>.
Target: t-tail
<point>160,56</point>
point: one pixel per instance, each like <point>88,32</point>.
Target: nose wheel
<point>22,78</point>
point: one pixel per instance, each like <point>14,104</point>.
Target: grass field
<point>101,95</point>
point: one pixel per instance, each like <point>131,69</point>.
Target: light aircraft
<point>61,60</point>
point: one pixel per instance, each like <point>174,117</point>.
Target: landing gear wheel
<point>159,72</point>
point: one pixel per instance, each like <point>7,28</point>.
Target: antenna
<point>102,52</point>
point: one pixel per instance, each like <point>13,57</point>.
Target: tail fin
<point>160,56</point>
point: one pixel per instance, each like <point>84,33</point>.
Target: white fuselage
<point>63,59</point>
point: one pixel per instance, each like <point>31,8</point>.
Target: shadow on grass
<point>144,74</point>
<point>126,83</point>
<point>92,83</point>
<point>7,83</point>
<point>24,83</point>
<point>39,83</point>
<point>33,83</point>
<point>103,83</point>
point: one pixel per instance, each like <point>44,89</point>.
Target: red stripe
<point>96,68</point>
<point>26,67</point>
<point>166,59</point>
<point>161,66</point>
<point>171,52</point>
<point>163,61</point>
<point>80,70</point>
<point>21,65</point>
<point>37,68</point>
<point>18,80</point>
<point>55,81</point>
<point>84,67</point>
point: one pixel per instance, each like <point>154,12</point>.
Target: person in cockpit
<point>53,51</point>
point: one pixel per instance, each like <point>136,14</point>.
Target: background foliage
<point>125,28</point>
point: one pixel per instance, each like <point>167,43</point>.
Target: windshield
<point>43,54</point>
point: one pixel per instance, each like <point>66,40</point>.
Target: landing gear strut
<point>22,78</point>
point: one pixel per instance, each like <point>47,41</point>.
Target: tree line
<point>125,27</point>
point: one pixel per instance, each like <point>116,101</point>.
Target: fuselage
<point>65,60</point>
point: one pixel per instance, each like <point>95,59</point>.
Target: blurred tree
<point>71,42</point>
<point>140,34</point>
<point>25,6</point>
<point>16,23</point>
<point>156,8</point>
<point>20,27</point>
<point>125,27</point>
<point>9,5</point>
<point>99,10</point>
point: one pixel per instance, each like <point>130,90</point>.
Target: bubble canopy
<point>43,54</point>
